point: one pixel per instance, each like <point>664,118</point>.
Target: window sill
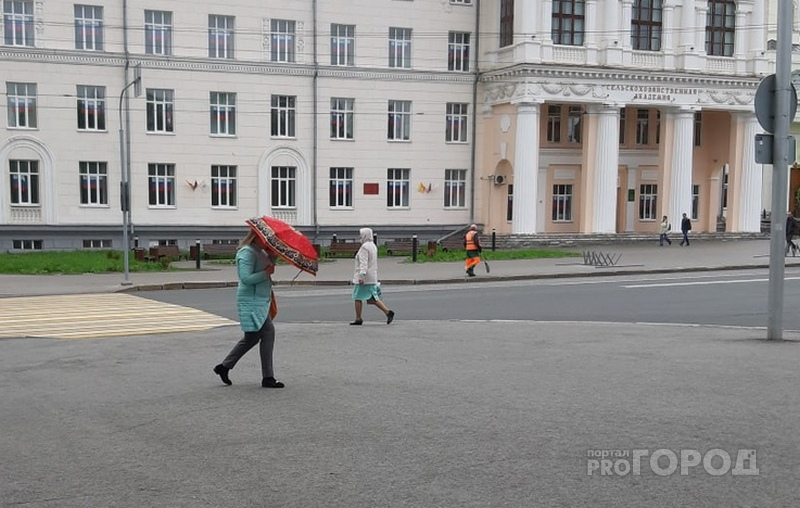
<point>223,136</point>
<point>398,140</point>
<point>343,139</point>
<point>161,133</point>
<point>95,131</point>
<point>22,128</point>
<point>225,208</point>
<point>456,142</point>
<point>162,207</point>
<point>341,208</point>
<point>103,206</point>
<point>291,138</point>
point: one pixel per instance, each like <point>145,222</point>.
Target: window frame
<point>158,24</point>
<point>27,101</point>
<point>457,122</point>
<point>721,28</point>
<point>642,137</point>
<point>91,97</point>
<point>647,25</point>
<point>18,13</point>
<point>93,172</point>
<point>343,44</point>
<point>89,29</point>
<point>283,116</point>
<point>458,45</point>
<point>221,36</point>
<point>159,173</point>
<point>160,111</point>
<point>399,121</point>
<point>554,122</point>
<point>283,187</point>
<point>398,184</point>
<point>562,199</point>
<point>340,188</point>
<point>455,189</point>
<point>648,202</point>
<point>568,27</point>
<point>342,118</point>
<point>283,31</point>
<point>506,23</point>
<point>222,111</point>
<point>227,197</point>
<point>400,47</point>
<point>31,175</point>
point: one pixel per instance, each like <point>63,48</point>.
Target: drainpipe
<point>315,148</point>
<point>475,110</point>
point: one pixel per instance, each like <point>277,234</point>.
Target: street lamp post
<point>124,184</point>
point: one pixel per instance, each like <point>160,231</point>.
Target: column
<point>680,194</point>
<point>625,29</point>
<point>688,37</point>
<point>526,169</point>
<point>606,169</point>
<point>667,38</point>
<point>749,198</point>
<point>739,41</point>
<point>592,26</point>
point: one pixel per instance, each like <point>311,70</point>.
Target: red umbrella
<point>286,241</point>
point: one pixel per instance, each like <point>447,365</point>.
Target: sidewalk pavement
<point>701,255</point>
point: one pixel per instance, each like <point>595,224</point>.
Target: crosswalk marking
<point>98,315</point>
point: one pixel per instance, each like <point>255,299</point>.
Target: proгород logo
<point>665,462</point>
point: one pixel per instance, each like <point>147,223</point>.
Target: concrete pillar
<point>680,192</point>
<point>748,199</point>
<point>604,162</point>
<point>526,169</point>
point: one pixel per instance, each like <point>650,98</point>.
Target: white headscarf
<point>366,235</point>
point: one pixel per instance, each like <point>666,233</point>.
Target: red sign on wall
<point>371,188</point>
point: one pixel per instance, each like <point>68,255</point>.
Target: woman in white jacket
<point>365,278</point>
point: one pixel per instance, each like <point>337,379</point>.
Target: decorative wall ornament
<point>39,17</point>
<point>425,189</point>
<point>505,123</point>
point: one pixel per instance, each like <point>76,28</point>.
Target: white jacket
<point>366,262</point>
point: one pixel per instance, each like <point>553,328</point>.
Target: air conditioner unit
<point>499,179</point>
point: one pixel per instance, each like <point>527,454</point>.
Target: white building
<point>582,116</point>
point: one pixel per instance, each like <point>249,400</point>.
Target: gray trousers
<point>266,335</point>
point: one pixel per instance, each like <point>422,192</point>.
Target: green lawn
<point>460,255</point>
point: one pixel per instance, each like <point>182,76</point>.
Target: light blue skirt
<point>366,291</point>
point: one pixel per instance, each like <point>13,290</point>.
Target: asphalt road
<point>721,298</point>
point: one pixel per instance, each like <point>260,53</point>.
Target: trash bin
<point>138,254</point>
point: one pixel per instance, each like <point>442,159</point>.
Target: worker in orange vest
<point>473,245</point>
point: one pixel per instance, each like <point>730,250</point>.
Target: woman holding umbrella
<point>254,267</point>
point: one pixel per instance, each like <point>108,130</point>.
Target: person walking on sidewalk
<point>365,278</point>
<point>664,232</point>
<point>254,268</point>
<point>791,230</point>
<point>473,245</point>
<point>686,226</point>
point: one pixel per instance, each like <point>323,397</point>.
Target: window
<point>21,105</point>
<point>89,27</point>
<point>642,126</point>
<point>284,182</point>
<point>510,203</point>
<point>399,120</point>
<point>104,243</point>
<point>647,201</point>
<point>456,128</point>
<point>341,188</point>
<point>24,182</point>
<point>720,27</point>
<point>161,178</point>
<point>658,126</point>
<point>698,128</point>
<point>646,25</point>
<point>562,202</point>
<point>400,48</point>
<point>622,126</point>
<point>158,32</point>
<point>91,108</point>
<point>458,51</point>
<point>695,201</point>
<point>282,40</point>
<point>223,186</point>
<point>94,183</point>
<point>223,114</point>
<point>220,36</point>
<point>397,188</point>
<point>27,244</point>
<point>575,114</point>
<point>18,22</point>
<point>554,124</point>
<point>283,116</point>
<point>343,40</point>
<point>160,107</point>
<point>342,118</point>
<point>506,23</point>
<point>455,188</point>
<point>568,20</point>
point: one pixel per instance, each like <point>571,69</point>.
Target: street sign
<point>765,103</point>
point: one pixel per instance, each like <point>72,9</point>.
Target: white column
<point>592,25</point>
<point>688,17</point>
<point>669,27</point>
<point>699,32</point>
<point>606,168</point>
<point>680,195</point>
<point>625,29</point>
<point>526,169</point>
<point>749,199</point>
<point>739,41</point>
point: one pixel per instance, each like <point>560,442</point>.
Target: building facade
<point>551,116</point>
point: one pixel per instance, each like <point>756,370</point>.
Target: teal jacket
<point>254,289</point>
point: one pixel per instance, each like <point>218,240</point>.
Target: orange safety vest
<point>471,244</point>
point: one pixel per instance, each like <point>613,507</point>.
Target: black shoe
<point>390,317</point>
<point>471,274</point>
<point>358,322</point>
<point>222,371</point>
<point>269,382</point>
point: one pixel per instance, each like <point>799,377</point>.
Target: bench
<point>399,247</point>
<point>455,242</point>
<point>219,249</point>
<point>163,251</point>
<point>342,248</point>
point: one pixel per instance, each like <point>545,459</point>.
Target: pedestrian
<point>254,267</point>
<point>686,226</point>
<point>473,245</point>
<point>791,230</point>
<point>366,287</point>
<point>665,228</point>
